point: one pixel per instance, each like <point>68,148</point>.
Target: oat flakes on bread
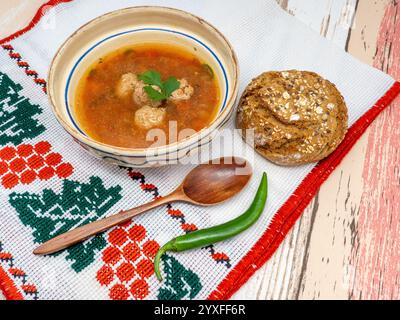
<point>298,117</point>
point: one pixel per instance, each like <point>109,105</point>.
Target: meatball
<point>140,96</point>
<point>149,117</point>
<point>126,84</point>
<point>184,92</point>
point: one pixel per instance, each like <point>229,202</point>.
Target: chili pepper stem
<point>169,246</point>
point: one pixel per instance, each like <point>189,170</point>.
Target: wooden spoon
<point>206,185</point>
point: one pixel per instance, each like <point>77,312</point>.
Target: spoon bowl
<point>206,185</point>
<point>217,181</point>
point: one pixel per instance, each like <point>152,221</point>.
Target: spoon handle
<point>84,232</point>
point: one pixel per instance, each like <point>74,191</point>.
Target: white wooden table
<point>346,239</point>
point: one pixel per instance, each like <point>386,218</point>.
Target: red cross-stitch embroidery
<point>178,215</point>
<point>128,262</point>
<point>25,65</point>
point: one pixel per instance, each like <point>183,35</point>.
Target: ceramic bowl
<point>141,25</point>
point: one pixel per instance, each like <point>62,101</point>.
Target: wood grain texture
<point>16,14</point>
<point>328,254</point>
<point>330,272</point>
<point>309,263</point>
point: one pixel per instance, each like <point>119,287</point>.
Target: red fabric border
<point>288,214</point>
<point>39,14</point>
<point>283,220</point>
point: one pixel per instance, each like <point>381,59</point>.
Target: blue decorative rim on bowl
<point>133,31</point>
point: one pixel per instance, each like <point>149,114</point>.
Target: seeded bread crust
<point>297,116</point>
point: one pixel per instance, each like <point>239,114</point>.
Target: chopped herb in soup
<point>131,91</point>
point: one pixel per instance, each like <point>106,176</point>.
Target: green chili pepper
<point>202,238</point>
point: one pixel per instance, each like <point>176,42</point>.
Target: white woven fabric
<point>265,38</point>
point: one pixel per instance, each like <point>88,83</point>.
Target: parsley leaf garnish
<point>151,78</point>
<point>166,88</point>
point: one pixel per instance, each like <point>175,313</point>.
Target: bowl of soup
<point>144,86</point>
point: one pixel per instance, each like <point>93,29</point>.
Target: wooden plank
<point>338,249</point>
<point>376,253</point>
<point>331,18</point>
<point>341,277</point>
<point>16,14</point>
<point>329,268</point>
<point>329,271</point>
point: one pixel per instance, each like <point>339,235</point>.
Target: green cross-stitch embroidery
<point>16,114</point>
<point>51,214</point>
<point>180,282</point>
